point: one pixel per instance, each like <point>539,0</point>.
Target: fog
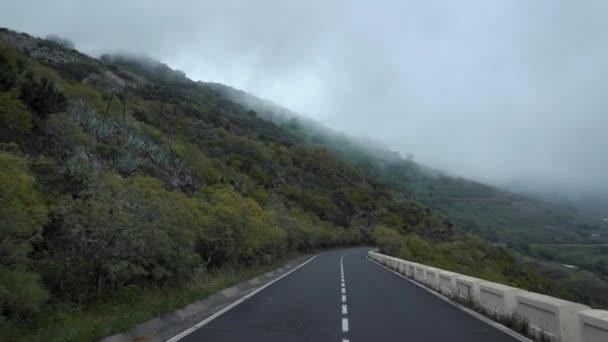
<point>508,92</point>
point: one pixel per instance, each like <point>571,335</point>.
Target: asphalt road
<point>377,305</point>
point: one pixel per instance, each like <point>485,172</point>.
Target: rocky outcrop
<point>109,81</point>
<point>46,51</point>
<point>92,71</point>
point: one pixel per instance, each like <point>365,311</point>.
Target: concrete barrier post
<point>498,298</point>
<point>402,267</point>
<point>554,318</point>
<point>431,277</point>
<point>467,287</point>
<point>593,325</point>
<point>419,273</point>
<point>447,282</point>
<point>409,271</point>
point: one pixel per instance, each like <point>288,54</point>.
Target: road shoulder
<point>167,326</point>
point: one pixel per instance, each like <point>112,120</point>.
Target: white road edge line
<point>461,307</point>
<point>239,301</point>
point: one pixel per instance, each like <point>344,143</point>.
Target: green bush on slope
<point>470,255</point>
<point>13,113</point>
<point>22,216</point>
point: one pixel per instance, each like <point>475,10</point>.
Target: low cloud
<point>509,92</point>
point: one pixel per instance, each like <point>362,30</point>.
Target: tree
<point>238,229</point>
<point>389,240</point>
<point>22,216</point>
<point>13,113</point>
<point>64,135</point>
<point>125,231</point>
<point>43,96</point>
<point>8,76</point>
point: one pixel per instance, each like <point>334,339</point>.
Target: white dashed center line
<point>345,327</point>
<point>344,324</point>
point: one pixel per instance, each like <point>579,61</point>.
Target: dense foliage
<point>122,173</point>
<point>22,217</point>
<point>550,232</point>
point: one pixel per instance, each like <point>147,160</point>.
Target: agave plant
<point>78,166</point>
<point>127,163</point>
<point>129,125</point>
<point>79,111</point>
<point>137,143</point>
<point>134,143</point>
<point>101,129</point>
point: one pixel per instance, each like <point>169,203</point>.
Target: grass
<point>124,309</point>
<point>511,321</point>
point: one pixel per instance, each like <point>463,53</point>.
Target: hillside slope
<point>543,230</point>
<point>120,173</point>
<point>496,214</point>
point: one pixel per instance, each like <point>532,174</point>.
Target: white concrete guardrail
<point>556,319</point>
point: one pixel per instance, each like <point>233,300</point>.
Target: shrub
<point>120,232</point>
<point>22,216</point>
<point>78,165</point>
<point>14,114</point>
<point>43,96</point>
<point>238,230</point>
<point>388,239</point>
<point>21,293</point>
<point>8,75</point>
<point>65,135</point>
<point>103,150</point>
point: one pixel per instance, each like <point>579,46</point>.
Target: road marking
<point>344,324</point>
<point>344,307</point>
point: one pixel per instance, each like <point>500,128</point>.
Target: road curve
<point>341,296</point>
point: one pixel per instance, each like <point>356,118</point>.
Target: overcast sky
<point>500,91</point>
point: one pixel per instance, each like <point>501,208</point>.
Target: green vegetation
<point>123,180</point>
<point>22,216</point>
<point>468,254</point>
<point>14,114</point>
<point>524,224</point>
<point>123,309</point>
